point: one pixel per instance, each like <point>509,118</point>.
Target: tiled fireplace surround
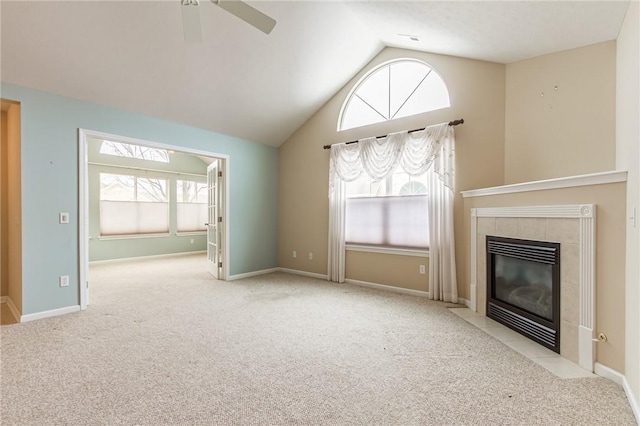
<point>573,226</point>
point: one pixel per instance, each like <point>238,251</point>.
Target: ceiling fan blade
<point>248,14</point>
<point>191,21</point>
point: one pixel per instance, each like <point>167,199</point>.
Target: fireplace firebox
<point>523,287</point>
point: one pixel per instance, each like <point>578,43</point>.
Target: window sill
<point>388,250</point>
<point>131,236</point>
<point>190,233</point>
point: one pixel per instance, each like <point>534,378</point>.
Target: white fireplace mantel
<point>586,215</point>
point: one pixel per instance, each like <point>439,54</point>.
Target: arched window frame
<point>371,73</point>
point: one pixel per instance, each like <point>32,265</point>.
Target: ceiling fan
<point>240,9</point>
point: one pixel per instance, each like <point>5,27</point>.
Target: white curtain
<point>430,150</point>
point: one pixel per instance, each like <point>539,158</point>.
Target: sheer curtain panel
<point>430,150</point>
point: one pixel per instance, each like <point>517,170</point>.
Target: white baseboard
<point>359,283</point>
<point>608,373</point>
<point>465,302</point>
<point>252,274</point>
<point>268,271</point>
<point>12,307</point>
<point>303,273</point>
<point>49,314</point>
<point>620,379</point>
<point>388,288</point>
<point>633,401</point>
<point>155,256</point>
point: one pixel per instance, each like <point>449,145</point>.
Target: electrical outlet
<point>295,254</point>
<point>64,280</point>
<point>64,218</point>
<point>422,270</point>
<point>310,256</point>
<point>192,241</point>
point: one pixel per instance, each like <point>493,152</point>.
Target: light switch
<point>64,217</point>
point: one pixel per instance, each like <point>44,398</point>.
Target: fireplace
<point>523,287</point>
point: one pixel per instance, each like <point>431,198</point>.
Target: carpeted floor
<point>164,344</point>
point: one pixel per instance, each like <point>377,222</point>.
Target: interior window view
<point>311,212</point>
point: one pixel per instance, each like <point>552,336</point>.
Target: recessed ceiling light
<point>410,37</point>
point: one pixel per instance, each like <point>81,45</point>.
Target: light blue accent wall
<point>50,126</point>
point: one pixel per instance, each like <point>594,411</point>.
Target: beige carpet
<point>164,344</point>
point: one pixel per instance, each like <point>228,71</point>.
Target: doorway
<point>85,137</point>
<point>10,213</point>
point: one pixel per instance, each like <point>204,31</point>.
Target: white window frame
<point>162,155</point>
<point>135,194</point>
<point>178,202</point>
<point>386,249</point>
<point>373,71</point>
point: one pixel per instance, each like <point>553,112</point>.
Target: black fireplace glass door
<point>524,284</point>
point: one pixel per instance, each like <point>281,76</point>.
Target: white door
<point>213,220</point>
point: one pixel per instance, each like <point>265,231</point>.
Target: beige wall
<point>568,131</point>
<point>477,95</point>
<point>610,253</point>
<point>374,268</point>
<point>14,218</point>
<point>4,277</point>
<point>628,158</point>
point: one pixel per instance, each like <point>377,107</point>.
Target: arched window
<point>393,90</point>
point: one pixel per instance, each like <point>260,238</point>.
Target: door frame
<point>83,200</point>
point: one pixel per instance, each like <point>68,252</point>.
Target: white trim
<point>371,71</point>
<point>620,379</point>
<point>633,401</point>
<point>411,292</point>
<point>83,199</point>
<point>304,273</point>
<point>132,236</point>
<point>473,266</point>
<point>83,218</point>
<point>569,211</point>
<point>388,250</point>
<point>151,144</point>
<point>155,256</point>
<point>252,274</point>
<point>348,281</point>
<point>586,213</point>
<point>465,302</point>
<point>49,314</point>
<point>608,373</point>
<point>586,345</point>
<point>190,233</point>
<point>12,307</point>
<point>145,169</point>
<point>557,183</point>
<point>225,168</point>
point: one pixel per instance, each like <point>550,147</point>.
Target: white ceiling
<point>241,82</point>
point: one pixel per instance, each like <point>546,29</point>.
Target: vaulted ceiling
<point>241,82</point>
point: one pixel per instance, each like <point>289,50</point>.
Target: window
<point>133,205</point>
<point>119,149</point>
<point>192,205</point>
<point>388,213</point>
<point>394,90</point>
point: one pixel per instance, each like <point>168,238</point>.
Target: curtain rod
<point>451,123</point>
